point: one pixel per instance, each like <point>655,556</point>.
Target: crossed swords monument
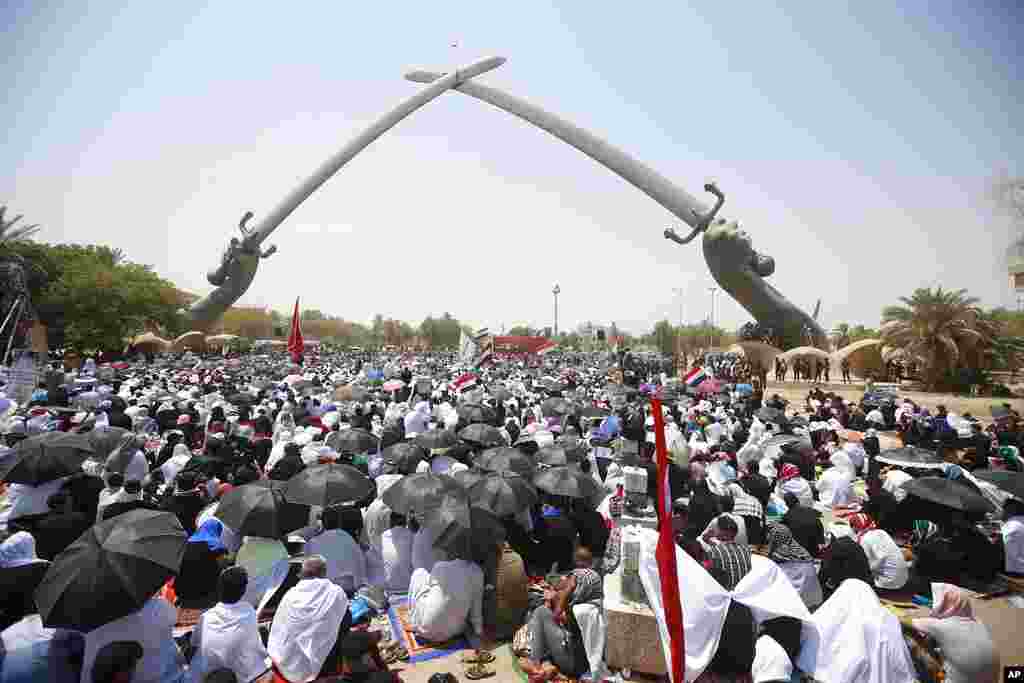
<point>728,251</point>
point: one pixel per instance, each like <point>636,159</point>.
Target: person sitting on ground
<point>592,529</point>
<point>968,652</point>
<point>152,627</point>
<point>62,527</point>
<point>115,483</point>
<point>727,504</point>
<point>749,509</point>
<point>308,625</point>
<point>200,565</point>
<point>21,571</point>
<point>360,660</point>
<point>796,563</point>
<point>730,561</point>
<point>424,554</point>
<point>556,536</point>
<point>804,523</point>
<point>556,644</point>
<point>506,606</point>
<point>835,487</point>
<point>1013,537</point>
<point>790,481</point>
<point>227,635</point>
<point>186,502</point>
<point>396,554</point>
<point>346,562</point>
<point>842,559</point>
<point>131,500</point>
<point>888,566</point>
<point>117,662</point>
<point>447,598</point>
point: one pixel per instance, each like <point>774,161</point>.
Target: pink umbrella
<point>393,385</point>
<point>709,386</point>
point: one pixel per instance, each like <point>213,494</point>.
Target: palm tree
<point>938,328</point>
<point>10,234</point>
<point>841,335</point>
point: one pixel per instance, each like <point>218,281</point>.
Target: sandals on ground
<point>475,672</point>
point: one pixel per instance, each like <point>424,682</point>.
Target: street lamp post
<point>711,332</point>
<point>556,291</point>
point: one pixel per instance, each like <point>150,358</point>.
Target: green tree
<point>663,337</point>
<point>941,329</point>
<point>313,314</point>
<point>106,300</point>
<point>377,330</point>
<point>10,233</point>
<point>519,331</point>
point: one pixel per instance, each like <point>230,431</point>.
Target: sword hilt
<point>704,222</point>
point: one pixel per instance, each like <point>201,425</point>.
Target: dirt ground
<point>796,392</point>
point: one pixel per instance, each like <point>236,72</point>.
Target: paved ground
<point>796,392</point>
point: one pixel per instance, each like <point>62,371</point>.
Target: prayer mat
<point>419,650</point>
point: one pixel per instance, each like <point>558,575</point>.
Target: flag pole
<point>666,555</point>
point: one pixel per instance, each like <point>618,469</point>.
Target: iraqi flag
<point>296,345</point>
<point>694,377</point>
<point>666,554</point>
<point>463,383</point>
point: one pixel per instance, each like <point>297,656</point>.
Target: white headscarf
<point>18,550</point>
<point>305,627</point>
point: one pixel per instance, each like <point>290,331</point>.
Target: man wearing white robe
<point>346,562</point>
<point>151,627</point>
<point>306,624</point>
<point>227,635</point>
<point>443,600</point>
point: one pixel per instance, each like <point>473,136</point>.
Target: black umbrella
<point>420,492</point>
<point>503,493</point>
<point>111,570</point>
<point>775,415</point>
<point>327,485</point>
<point>482,435</point>
<point>405,456</point>
<point>470,533</point>
<point>555,407</point>
<point>910,456</point>
<point>475,413</point>
<point>1011,482</point>
<point>505,459</point>
<point>436,439</point>
<point>353,441</point>
<point>242,399</point>
<point>260,509</point>
<point>948,493</point>
<point>45,457</point>
<point>557,456</point>
<point>566,481</point>
<point>105,439</point>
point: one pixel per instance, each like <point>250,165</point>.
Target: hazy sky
<point>853,143</point>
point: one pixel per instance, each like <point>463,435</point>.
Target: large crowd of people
<point>488,502</point>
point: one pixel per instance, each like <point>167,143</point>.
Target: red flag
<point>666,554</point>
<point>296,345</point>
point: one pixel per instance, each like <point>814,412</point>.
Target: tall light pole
<point>556,291</point>
<point>711,332</point>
